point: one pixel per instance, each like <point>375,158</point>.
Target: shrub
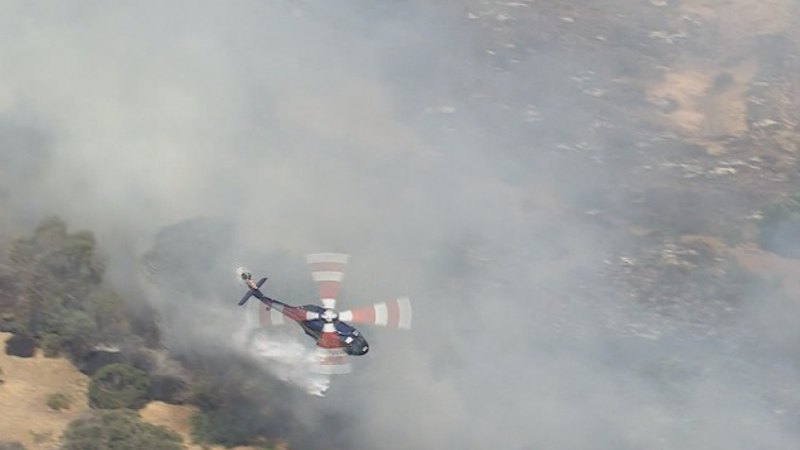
<point>21,345</point>
<point>169,388</point>
<point>9,326</point>
<point>52,345</point>
<point>120,429</point>
<point>119,386</point>
<point>58,401</point>
<point>226,427</point>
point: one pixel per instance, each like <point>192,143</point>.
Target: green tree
<point>53,284</point>
<point>228,427</point>
<point>108,311</point>
<point>52,345</point>
<point>119,429</point>
<point>69,256</point>
<point>78,331</point>
<point>64,329</point>
<point>239,406</point>
<point>53,270</point>
<point>118,386</point>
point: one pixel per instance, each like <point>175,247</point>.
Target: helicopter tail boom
<point>253,291</point>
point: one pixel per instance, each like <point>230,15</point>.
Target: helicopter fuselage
<point>347,337</point>
<point>313,320</point>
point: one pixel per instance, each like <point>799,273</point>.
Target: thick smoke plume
<point>486,159</point>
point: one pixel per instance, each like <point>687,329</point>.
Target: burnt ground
<point>682,119</point>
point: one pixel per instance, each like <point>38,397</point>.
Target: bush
<point>5,445</point>
<point>226,427</point>
<point>21,345</point>
<point>52,345</point>
<point>77,330</point>
<point>119,429</point>
<point>119,386</point>
<point>58,401</point>
<point>9,326</point>
<point>169,388</point>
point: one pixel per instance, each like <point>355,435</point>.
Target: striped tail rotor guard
<point>395,313</point>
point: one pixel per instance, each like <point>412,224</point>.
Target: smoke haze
<point>478,158</point>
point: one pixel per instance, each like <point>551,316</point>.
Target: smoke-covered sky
<point>450,148</point>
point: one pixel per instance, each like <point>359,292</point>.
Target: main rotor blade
<point>327,270</point>
<point>330,357</point>
<point>395,313</point>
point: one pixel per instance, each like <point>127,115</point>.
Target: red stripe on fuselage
<point>289,312</point>
<point>329,340</point>
<point>294,313</point>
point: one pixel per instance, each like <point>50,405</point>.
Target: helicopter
<point>335,338</point>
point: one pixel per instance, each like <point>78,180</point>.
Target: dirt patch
<point>726,101</point>
<point>26,417</point>
<point>684,89</point>
<point>706,103</point>
<point>28,381</point>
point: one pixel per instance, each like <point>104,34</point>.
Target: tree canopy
<point>119,429</point>
<point>119,386</point>
<point>52,287</point>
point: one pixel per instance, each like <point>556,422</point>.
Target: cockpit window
<point>345,329</point>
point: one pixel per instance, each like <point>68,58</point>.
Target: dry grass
<point>701,110</point>
<point>23,398</point>
<point>27,418</point>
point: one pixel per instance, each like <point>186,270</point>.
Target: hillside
<point>23,398</point>
<point>622,175</point>
<point>27,418</point>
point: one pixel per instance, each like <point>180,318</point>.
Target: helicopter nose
<point>361,346</point>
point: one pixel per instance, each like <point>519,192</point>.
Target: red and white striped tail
<point>395,313</point>
<point>327,270</point>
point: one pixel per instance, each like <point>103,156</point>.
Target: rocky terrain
<point>689,120</point>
